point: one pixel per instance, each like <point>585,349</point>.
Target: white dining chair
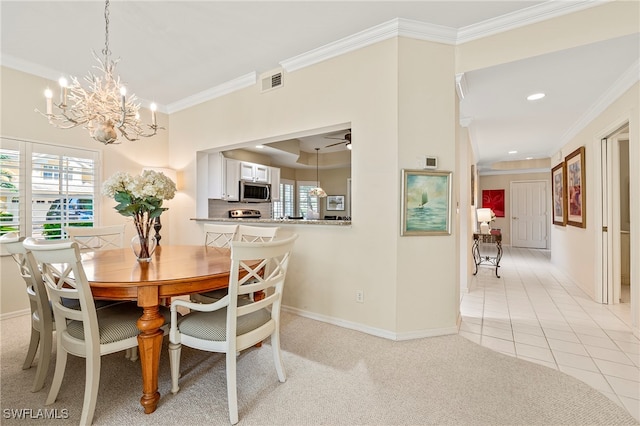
<point>97,237</point>
<point>83,331</point>
<point>42,323</point>
<point>256,233</point>
<point>245,233</point>
<point>219,235</point>
<point>233,324</point>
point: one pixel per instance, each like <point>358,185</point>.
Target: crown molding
<point>397,27</point>
<point>30,67</point>
<point>520,18</point>
<point>242,82</point>
<point>617,89</point>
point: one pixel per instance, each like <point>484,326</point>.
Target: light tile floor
<point>535,312</point>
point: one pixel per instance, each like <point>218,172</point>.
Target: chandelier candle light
<point>140,197</point>
<point>103,107</point>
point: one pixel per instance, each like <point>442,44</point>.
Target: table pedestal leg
<point>149,346</point>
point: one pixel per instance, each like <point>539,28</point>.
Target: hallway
<point>534,312</point>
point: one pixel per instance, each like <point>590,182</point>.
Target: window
<point>9,190</point>
<point>286,206</point>
<point>306,202</point>
<point>46,187</point>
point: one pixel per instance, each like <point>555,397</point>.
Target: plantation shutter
<point>44,188</point>
<point>305,201</point>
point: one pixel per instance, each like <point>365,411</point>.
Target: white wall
<point>392,124</point>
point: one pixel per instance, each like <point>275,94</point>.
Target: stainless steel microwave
<point>255,192</point>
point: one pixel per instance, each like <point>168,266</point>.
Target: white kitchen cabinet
<point>254,172</point>
<point>215,176</point>
<point>223,178</point>
<point>231,180</point>
<point>274,173</point>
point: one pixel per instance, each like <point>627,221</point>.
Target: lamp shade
<point>484,215</point>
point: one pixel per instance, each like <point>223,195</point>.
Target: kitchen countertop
<point>278,221</point>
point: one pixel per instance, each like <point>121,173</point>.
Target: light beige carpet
<point>336,376</point>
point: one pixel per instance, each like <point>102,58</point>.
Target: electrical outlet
<point>359,296</point>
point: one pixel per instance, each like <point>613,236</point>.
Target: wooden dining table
<point>173,271</point>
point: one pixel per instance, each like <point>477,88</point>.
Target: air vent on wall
<point>271,81</point>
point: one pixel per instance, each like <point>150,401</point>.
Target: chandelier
<point>317,191</point>
<point>103,107</point>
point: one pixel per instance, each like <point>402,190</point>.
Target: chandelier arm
<point>62,118</point>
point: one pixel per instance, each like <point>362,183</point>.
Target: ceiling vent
<point>271,80</point>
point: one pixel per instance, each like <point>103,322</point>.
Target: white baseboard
<point>15,314</point>
<point>386,334</point>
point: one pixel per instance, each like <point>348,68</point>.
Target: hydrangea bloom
<point>139,193</point>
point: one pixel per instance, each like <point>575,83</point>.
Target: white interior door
<point>529,214</point>
<point>612,222</point>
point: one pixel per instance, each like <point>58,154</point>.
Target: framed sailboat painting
<point>426,202</point>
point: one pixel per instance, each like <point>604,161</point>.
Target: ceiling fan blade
<point>338,139</point>
<point>334,144</point>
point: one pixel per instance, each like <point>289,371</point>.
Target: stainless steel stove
<point>244,214</point>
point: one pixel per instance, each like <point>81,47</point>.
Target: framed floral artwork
<point>559,195</point>
<point>575,189</point>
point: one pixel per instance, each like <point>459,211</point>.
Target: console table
<point>494,237</point>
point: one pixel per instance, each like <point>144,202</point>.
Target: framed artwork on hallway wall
<point>493,199</point>
<point>426,202</point>
<point>473,184</point>
<point>559,194</point>
<point>575,189</point>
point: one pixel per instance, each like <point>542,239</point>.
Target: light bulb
<point>63,82</point>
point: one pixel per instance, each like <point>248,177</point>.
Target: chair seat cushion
<point>216,294</point>
<point>116,322</point>
<point>213,325</point>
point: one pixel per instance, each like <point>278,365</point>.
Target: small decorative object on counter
<point>140,197</point>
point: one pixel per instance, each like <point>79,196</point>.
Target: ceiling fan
<point>346,139</point>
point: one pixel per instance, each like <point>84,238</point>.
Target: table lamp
<point>484,216</point>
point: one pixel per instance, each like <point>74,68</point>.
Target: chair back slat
<point>275,258</point>
<point>30,273</point>
<point>217,235</point>
<point>247,233</point>
<point>96,238</point>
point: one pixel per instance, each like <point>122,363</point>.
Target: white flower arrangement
<point>144,187</point>
<point>140,197</point>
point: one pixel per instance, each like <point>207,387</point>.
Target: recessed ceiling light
<point>513,152</point>
<point>259,146</point>
<point>536,96</point>
<point>529,158</point>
